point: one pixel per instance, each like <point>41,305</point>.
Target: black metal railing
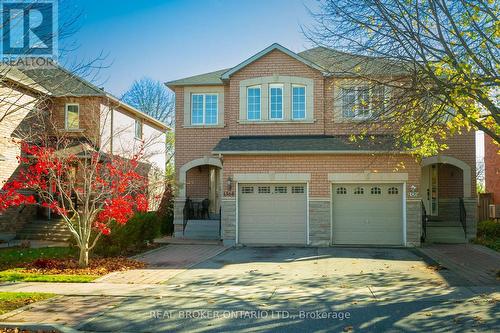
<point>425,218</point>
<point>220,222</point>
<point>463,216</point>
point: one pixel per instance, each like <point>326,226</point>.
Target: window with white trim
<point>204,109</point>
<point>138,129</point>
<point>253,103</point>
<point>341,190</point>
<point>362,101</point>
<point>359,190</point>
<point>72,116</point>
<point>393,190</point>
<point>280,189</point>
<point>264,189</point>
<point>247,189</point>
<point>276,101</point>
<point>298,189</point>
<point>298,102</point>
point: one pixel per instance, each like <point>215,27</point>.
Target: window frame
<point>204,109</point>
<point>141,127</point>
<point>260,102</point>
<point>282,87</point>
<point>358,90</point>
<point>292,103</point>
<point>66,124</point>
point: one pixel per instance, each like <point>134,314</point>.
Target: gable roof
<point>340,63</point>
<point>267,50</point>
<point>208,79</point>
<point>327,61</point>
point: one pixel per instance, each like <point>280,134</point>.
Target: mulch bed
<point>97,266</point>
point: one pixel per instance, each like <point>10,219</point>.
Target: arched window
<point>393,190</point>
<point>359,190</point>
<point>341,190</point>
<point>376,190</point>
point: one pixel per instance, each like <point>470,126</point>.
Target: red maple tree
<point>88,189</point>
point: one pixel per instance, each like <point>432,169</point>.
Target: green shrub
<point>489,229</point>
<point>133,236</point>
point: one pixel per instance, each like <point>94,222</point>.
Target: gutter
<point>306,152</point>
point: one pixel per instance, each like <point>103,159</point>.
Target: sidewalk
<point>475,263</point>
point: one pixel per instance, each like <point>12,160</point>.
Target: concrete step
<point>54,230</point>
<point>202,229</point>
<point>445,235</point>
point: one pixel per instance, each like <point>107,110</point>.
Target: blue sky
<point>170,39</point>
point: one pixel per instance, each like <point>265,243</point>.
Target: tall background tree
<point>448,50</point>
<point>153,98</point>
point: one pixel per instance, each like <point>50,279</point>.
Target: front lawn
<point>10,300</point>
<point>488,234</point>
<point>57,264</point>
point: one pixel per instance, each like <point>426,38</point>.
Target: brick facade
<point>195,143</point>
<point>492,168</point>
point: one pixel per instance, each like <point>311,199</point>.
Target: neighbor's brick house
<point>267,142</point>
<point>52,99</point>
<point>492,168</point>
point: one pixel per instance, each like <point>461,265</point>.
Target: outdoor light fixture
<point>229,183</point>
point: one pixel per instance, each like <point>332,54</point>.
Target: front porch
<point>197,207</point>
<point>448,208</point>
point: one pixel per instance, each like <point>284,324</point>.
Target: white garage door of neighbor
<point>272,214</point>
<point>367,214</point>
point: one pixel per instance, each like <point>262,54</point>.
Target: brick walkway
<point>476,264</point>
<point>164,263</point>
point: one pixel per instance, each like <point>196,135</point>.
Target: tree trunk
<point>83,261</point>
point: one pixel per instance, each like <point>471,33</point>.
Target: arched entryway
<point>446,183</point>
<point>197,212</point>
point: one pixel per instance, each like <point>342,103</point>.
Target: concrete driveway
<point>299,290</point>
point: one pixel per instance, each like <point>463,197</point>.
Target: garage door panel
<point>367,214</point>
<point>277,217</point>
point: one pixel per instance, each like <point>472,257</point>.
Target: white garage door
<point>272,214</point>
<point>367,214</point>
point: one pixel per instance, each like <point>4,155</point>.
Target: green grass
<point>11,257</point>
<point>488,234</point>
<point>10,301</point>
<point>16,274</point>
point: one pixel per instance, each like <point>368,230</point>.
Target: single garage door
<point>272,214</point>
<point>367,214</point>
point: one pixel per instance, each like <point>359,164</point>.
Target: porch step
<point>445,234</point>
<point>202,229</point>
<point>53,230</point>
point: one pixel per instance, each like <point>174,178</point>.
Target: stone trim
<point>191,164</point>
<point>467,173</point>
<point>272,177</point>
<point>362,177</point>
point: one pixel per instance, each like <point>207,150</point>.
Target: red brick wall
<point>320,165</point>
<point>492,168</point>
<point>194,143</point>
<point>450,181</point>
<point>197,182</point>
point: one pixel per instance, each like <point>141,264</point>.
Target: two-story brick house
<point>58,103</point>
<point>268,143</point>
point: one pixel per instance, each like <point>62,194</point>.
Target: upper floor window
<point>360,102</point>
<point>72,116</point>
<point>138,129</point>
<point>276,101</point>
<point>253,103</point>
<point>204,109</point>
<point>298,102</point>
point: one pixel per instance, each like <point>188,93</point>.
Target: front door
<point>430,189</point>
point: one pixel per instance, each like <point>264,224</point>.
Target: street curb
<point>27,307</point>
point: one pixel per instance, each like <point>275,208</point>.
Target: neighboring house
<point>79,111</point>
<point>267,143</point>
<point>492,168</point>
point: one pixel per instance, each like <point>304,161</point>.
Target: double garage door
<point>362,214</point>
